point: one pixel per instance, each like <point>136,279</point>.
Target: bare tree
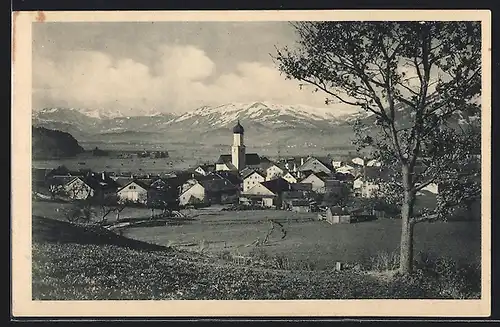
<point>415,79</point>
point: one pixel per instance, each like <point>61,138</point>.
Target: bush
<point>384,261</point>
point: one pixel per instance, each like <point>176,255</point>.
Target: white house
<point>374,163</point>
<point>205,169</point>
<point>345,169</point>
<point>315,165</point>
<point>252,179</point>
<point>358,161</point>
<point>336,163</point>
<point>273,172</point>
<point>77,189</point>
<point>196,193</point>
<point>365,188</point>
<point>317,182</point>
<point>133,192</point>
<point>268,193</point>
<point>290,178</point>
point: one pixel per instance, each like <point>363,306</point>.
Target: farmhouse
<point>267,194</point>
<point>274,171</point>
<point>369,183</point>
<point>335,215</point>
<point>193,195</point>
<point>134,191</point>
<point>346,169</point>
<point>317,180</point>
<point>251,179</point>
<point>211,189</point>
<point>300,205</point>
<point>78,189</point>
<point>316,165</point>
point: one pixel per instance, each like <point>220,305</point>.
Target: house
<point>300,205</point>
<point>358,161</point>
<point>78,189</point>
<point>317,180</point>
<point>316,165</point>
<point>267,194</point>
<point>346,169</point>
<point>274,171</point>
<point>205,169</point>
<point>230,176</point>
<point>335,215</point>
<point>208,190</point>
<point>369,183</point>
<point>251,179</point>
<point>134,191</point>
<point>193,195</point>
<point>290,177</point>
<point>373,163</point>
<point>337,163</point>
<point>298,192</point>
<point>162,194</point>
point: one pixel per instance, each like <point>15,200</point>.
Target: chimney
<point>301,161</point>
<point>103,176</point>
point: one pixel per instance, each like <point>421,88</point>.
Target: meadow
<point>71,262</point>
<point>309,241</point>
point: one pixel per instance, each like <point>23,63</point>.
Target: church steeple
<point>238,148</point>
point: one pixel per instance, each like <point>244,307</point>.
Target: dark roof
<point>301,187</point>
<point>230,176</point>
<point>277,185</point>
<point>251,159</point>
<point>301,203</point>
<point>217,185</point>
<point>238,129</point>
<point>207,167</point>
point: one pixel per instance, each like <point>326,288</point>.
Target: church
<point>238,159</point>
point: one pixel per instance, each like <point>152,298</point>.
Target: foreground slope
<point>101,270</point>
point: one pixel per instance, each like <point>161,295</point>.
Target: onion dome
<point>238,129</point>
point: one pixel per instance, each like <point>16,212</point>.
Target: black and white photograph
<point>321,158</point>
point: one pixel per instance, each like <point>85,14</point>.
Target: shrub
<point>384,261</point>
<point>258,254</point>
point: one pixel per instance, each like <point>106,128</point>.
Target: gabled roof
<point>217,185</point>
<point>277,185</point>
<point>139,183</point>
<point>230,176</point>
<point>321,175</point>
<point>207,167</point>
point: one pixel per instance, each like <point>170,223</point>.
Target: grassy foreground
<point>115,269</point>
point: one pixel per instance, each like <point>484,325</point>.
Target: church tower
<point>238,147</point>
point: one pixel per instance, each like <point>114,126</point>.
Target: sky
<point>161,66</point>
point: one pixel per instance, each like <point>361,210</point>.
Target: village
<point>239,180</point>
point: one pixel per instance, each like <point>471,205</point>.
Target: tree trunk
<point>406,247</point>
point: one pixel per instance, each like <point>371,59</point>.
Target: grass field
<point>90,263</point>
<point>308,240</point>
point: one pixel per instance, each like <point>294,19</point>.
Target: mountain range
<point>266,124</point>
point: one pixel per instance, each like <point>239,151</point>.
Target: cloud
<point>180,78</point>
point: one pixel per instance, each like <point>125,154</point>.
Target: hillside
<point>76,263</point>
<point>47,143</point>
